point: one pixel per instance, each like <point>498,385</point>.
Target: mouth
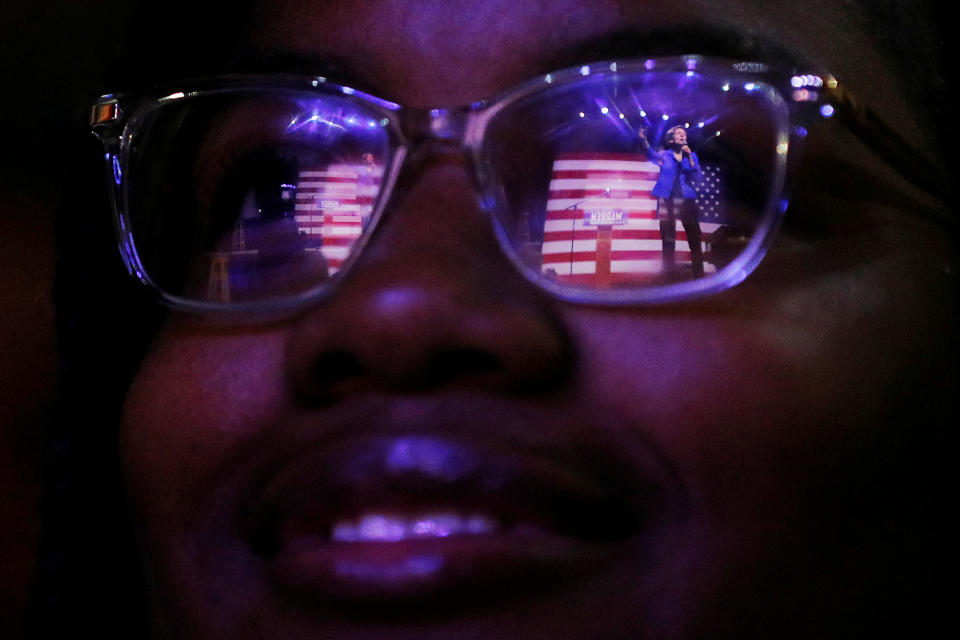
<point>392,526</point>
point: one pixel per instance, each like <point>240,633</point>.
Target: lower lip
<point>469,569</point>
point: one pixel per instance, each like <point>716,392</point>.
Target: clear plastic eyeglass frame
<point>800,98</point>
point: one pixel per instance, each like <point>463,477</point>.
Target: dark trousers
<point>669,210</point>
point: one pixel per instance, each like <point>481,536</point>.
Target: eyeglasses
<point>624,183</point>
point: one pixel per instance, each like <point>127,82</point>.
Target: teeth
<point>382,527</point>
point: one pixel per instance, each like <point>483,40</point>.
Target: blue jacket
<point>689,169</point>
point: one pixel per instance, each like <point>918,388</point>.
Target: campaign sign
<point>596,217</point>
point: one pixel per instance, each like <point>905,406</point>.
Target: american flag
<point>333,205</point>
<point>708,191</point>
<point>601,227</point>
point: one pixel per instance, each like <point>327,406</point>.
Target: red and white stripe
<point>333,205</point>
<point>605,255</point>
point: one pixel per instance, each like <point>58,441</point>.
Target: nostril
<point>336,366</point>
<point>338,372</point>
<point>458,364</point>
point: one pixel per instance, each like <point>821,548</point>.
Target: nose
<point>432,303</point>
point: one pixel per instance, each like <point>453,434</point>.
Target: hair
<point>668,137</point>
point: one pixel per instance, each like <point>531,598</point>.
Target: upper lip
<point>578,497</point>
<point>569,495</point>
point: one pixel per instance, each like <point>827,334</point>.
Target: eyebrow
<point>715,40</point>
<point>696,39</point>
<point>261,59</point>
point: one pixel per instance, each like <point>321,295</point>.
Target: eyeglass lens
<point>614,182</point>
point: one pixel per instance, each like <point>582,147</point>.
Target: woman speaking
<point>679,168</point>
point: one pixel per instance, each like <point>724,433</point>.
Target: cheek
<point>778,394</point>
<point>796,423</point>
<point>197,398</point>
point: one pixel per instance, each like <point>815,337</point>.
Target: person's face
<point>680,135</point>
<point>741,466</point>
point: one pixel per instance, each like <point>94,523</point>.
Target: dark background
<point>52,57</point>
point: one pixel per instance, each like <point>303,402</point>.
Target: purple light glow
<point>134,258</point>
<point>423,455</point>
<point>402,571</point>
<point>117,171</point>
<point>315,119</point>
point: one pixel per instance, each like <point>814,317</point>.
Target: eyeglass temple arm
<point>900,153</point>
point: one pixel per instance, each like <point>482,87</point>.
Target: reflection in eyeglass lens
<point>604,227</point>
<point>324,214</point>
<point>253,198</point>
<point>614,181</point>
<point>635,180</point>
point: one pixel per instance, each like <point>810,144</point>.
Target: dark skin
<point>784,479</point>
